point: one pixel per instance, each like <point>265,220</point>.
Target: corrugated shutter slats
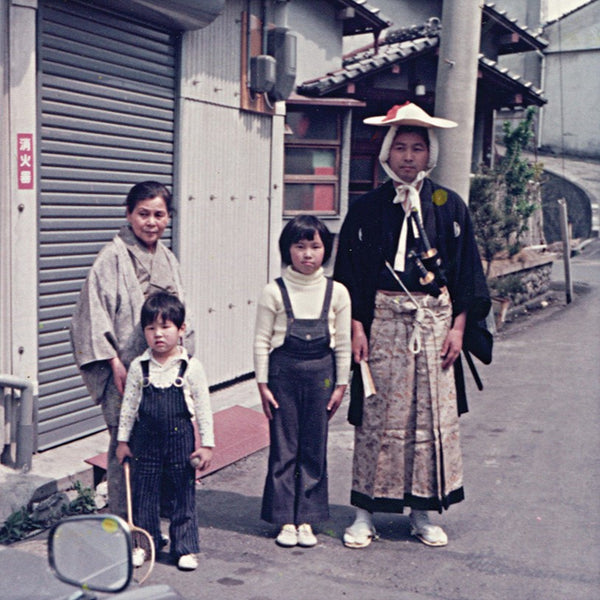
<point>107,105</point>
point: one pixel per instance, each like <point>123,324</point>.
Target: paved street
<point>529,526</point>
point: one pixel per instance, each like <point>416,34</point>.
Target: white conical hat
<point>409,114</point>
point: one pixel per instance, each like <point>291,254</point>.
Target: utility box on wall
<point>262,73</point>
<point>281,44</point>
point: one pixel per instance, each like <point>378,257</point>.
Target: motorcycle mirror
<point>92,552</point>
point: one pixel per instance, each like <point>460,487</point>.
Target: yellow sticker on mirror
<point>440,197</point>
<point>110,525</point>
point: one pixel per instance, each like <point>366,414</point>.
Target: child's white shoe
<point>138,557</point>
<point>288,536</point>
<point>306,537</point>
<point>187,562</point>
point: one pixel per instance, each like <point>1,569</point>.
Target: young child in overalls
<point>165,389</point>
<point>302,364</point>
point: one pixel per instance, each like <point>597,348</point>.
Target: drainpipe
<point>25,428</point>
<point>540,136</point>
<point>280,16</point>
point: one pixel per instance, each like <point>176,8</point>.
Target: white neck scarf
<point>407,194</point>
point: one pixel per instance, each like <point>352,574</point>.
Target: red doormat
<point>239,432</point>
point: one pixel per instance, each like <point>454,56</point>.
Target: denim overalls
<point>162,441</point>
<point>302,379</point>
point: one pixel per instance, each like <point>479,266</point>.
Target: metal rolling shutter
<point>106,101</point>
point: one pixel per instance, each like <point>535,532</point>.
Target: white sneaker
<point>306,537</point>
<point>421,528</point>
<point>288,536</point>
<point>187,562</point>
<point>164,540</point>
<point>138,557</point>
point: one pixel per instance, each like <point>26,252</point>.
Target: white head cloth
<point>407,193</point>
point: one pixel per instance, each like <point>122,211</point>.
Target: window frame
<point>316,179</point>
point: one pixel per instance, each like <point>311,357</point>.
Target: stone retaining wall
<point>522,277</point>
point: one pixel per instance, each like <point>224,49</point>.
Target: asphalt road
<point>528,529</point>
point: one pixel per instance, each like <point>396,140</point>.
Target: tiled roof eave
<point>368,66</point>
<point>512,80</point>
<point>368,18</point>
<point>535,40</point>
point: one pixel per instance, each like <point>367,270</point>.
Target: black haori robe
<point>407,450</point>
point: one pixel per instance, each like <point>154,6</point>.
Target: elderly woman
<point>409,310</point>
<point>105,330</point>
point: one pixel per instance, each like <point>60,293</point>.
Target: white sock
<point>363,516</point>
<point>420,513</point>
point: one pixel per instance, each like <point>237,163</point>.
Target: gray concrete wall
<point>319,38</point>
<point>571,118</point>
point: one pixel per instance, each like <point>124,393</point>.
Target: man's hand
<point>454,340</point>
<point>360,344</point>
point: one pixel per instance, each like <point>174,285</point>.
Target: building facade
<point>97,96</point>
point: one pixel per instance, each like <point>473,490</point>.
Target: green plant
<point>506,287</point>
<point>488,219</point>
<point>517,174</point>
<point>503,199</point>
<point>84,503</point>
<point>21,523</point>
<point>17,526</point>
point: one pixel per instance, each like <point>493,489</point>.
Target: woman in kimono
<point>409,327</point>
<point>105,329</point>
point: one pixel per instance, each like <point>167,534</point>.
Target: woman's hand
<point>202,457</point>
<point>336,400</point>
<point>360,344</point>
<point>123,451</point>
<point>119,373</point>
<point>267,399</point>
<point>454,340</point>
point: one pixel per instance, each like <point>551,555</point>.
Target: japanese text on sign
<point>25,161</point>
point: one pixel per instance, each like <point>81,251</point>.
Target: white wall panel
<point>224,229</point>
<point>210,65</point>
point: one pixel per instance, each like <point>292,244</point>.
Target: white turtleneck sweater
<point>307,293</point>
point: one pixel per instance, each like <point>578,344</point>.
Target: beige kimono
<point>106,324</point>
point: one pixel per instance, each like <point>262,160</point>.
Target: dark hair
<point>163,305</point>
<point>422,131</point>
<point>304,227</point>
<point>147,190</point>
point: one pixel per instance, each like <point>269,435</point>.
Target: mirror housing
<point>92,552</point>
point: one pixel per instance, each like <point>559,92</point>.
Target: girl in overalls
<point>165,388</point>
<point>302,364</point>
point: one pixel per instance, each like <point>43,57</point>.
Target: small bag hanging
<point>478,341</point>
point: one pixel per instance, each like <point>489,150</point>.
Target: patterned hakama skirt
<point>407,450</point>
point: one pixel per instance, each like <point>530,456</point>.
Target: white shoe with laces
<point>138,557</point>
<point>306,537</point>
<point>187,562</point>
<point>288,536</point>
<point>421,528</point>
